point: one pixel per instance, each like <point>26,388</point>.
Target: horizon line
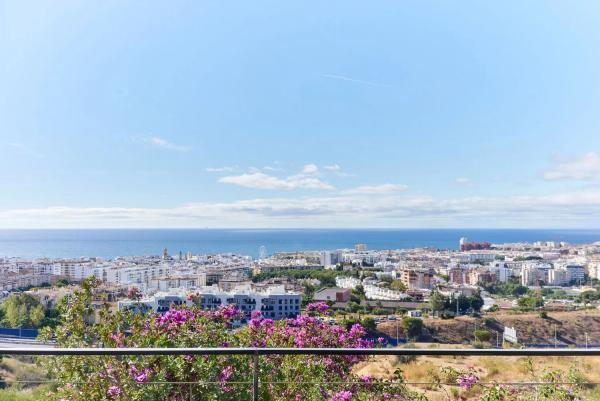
<point>300,228</point>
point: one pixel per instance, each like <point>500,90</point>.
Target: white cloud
<point>23,149</point>
<point>354,80</point>
<point>164,144</point>
<point>464,181</point>
<point>586,167</point>
<point>310,169</point>
<point>271,168</point>
<point>562,209</point>
<point>377,189</point>
<point>333,167</point>
<point>226,169</point>
<point>264,181</point>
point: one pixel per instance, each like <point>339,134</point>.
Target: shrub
<point>151,378</point>
<point>413,327</point>
<point>482,335</point>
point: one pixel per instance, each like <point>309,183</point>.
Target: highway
<point>18,343</point>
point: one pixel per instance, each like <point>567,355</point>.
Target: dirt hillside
<point>571,327</point>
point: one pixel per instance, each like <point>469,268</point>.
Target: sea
<point>110,243</point>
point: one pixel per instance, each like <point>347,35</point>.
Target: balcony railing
<point>256,353</point>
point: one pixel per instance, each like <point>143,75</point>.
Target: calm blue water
<point>111,243</point>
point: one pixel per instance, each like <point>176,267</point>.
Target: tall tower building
<point>360,247</point>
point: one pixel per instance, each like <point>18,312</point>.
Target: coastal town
<point>424,283</point>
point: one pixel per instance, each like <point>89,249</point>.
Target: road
<point>13,343</point>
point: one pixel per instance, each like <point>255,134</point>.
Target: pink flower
<point>141,378</point>
<point>467,381</point>
<point>320,307</point>
<point>342,396</point>
<point>229,312</point>
<point>114,392</point>
<point>118,339</point>
<point>224,378</point>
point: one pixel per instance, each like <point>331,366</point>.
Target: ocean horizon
<point>110,243</point>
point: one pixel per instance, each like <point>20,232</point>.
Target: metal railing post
<point>255,376</point>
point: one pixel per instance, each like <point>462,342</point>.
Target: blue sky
<point>299,114</point>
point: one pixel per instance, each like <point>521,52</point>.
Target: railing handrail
<point>50,351</point>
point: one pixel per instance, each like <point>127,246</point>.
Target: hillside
<point>571,327</point>
<point>419,373</point>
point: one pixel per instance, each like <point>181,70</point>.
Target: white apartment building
<point>140,276</point>
<point>558,277</point>
<point>501,270</point>
<point>385,294</point>
<point>273,303</point>
<point>74,270</point>
<point>594,269</point>
<point>477,257</point>
<point>535,273</point>
<point>328,258</point>
<point>371,291</point>
<point>347,282</point>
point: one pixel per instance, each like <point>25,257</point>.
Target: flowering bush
<point>207,377</point>
<point>554,385</point>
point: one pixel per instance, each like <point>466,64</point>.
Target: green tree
<point>352,307</point>
<point>62,282</point>
<point>482,335</point>
<point>37,315</point>
<point>511,288</point>
<point>476,302</point>
<point>18,310</point>
<point>437,302</point>
<point>530,303</point>
<point>369,324</point>
<point>413,327</point>
<point>398,285</point>
<point>589,296</point>
<point>359,291</point>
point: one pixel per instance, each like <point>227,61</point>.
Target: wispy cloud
<point>333,167</point>
<point>23,149</point>
<point>563,209</point>
<point>259,180</point>
<point>310,169</point>
<point>586,167</point>
<point>377,189</point>
<point>225,169</point>
<point>165,144</point>
<point>354,80</point>
<point>271,168</point>
<point>464,181</point>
